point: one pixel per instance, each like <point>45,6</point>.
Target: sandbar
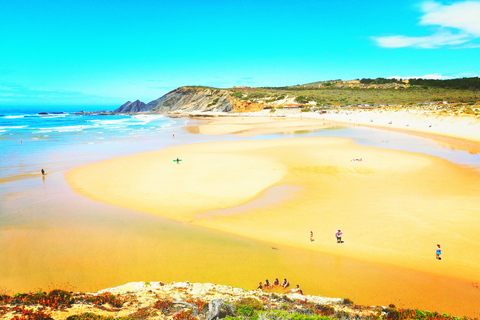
<point>393,206</point>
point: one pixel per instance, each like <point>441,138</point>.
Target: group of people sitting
<point>285,284</point>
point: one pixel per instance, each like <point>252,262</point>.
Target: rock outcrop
<point>132,107</point>
<point>192,99</point>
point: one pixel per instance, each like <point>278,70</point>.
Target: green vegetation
<point>383,92</point>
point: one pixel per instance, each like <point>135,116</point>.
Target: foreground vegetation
<point>57,303</point>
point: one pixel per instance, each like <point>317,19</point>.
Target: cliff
<point>132,107</point>
<point>190,99</point>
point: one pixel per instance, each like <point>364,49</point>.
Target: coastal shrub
<point>163,304</point>
<point>184,315</point>
<point>33,315</point>
<point>106,297</point>
<point>57,299</point>
<point>347,301</point>
<point>4,297</point>
<point>236,94</point>
<point>201,305</point>
<point>244,311</point>
<point>297,316</point>
<point>302,99</point>
<point>251,302</point>
<point>86,316</point>
<point>93,316</point>
<point>324,310</point>
<point>143,313</point>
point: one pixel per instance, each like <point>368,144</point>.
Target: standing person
<point>338,234</point>
<point>43,172</point>
<point>438,252</point>
<point>311,236</point>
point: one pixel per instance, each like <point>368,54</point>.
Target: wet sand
<point>394,207</point>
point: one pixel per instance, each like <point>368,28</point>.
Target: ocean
<point>55,141</point>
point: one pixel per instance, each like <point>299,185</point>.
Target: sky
<point>105,52</point>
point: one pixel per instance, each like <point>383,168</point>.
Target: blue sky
<point>107,52</point>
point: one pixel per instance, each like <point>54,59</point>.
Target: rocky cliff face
<point>132,107</point>
<point>190,99</point>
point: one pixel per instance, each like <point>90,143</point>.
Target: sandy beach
<point>393,206</point>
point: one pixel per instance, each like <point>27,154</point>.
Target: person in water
<point>285,283</point>
<point>43,172</point>
<point>438,252</point>
<point>260,286</point>
<point>276,282</point>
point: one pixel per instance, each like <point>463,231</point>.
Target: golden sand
<point>393,206</point>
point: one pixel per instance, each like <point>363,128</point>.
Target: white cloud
<point>463,17</point>
<point>437,76</point>
<point>428,42</point>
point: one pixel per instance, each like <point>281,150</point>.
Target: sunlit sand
<point>393,206</point>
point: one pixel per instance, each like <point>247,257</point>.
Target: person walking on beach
<point>438,252</point>
<point>338,234</point>
<point>311,236</point>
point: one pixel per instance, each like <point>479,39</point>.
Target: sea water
<point>30,141</point>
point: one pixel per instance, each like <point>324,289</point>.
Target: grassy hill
<point>370,92</point>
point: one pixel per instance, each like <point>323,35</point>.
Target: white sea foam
<point>13,117</point>
<point>13,127</point>
<point>107,122</point>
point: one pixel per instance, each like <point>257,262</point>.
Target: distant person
<point>296,290</point>
<point>43,172</point>
<point>285,283</point>
<point>173,135</point>
<point>260,286</point>
<point>338,235</point>
<point>178,161</point>
<point>438,252</point>
<point>311,236</point>
<point>267,284</point>
<point>276,282</point>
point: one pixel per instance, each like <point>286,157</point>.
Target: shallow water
<point>50,236</point>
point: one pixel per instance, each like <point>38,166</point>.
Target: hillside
<point>460,95</point>
<point>185,301</point>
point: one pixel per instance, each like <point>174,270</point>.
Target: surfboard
<point>175,160</point>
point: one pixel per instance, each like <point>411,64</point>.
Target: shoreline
<point>463,129</point>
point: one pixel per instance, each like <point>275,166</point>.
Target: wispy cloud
<point>458,26</point>
<point>437,76</point>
